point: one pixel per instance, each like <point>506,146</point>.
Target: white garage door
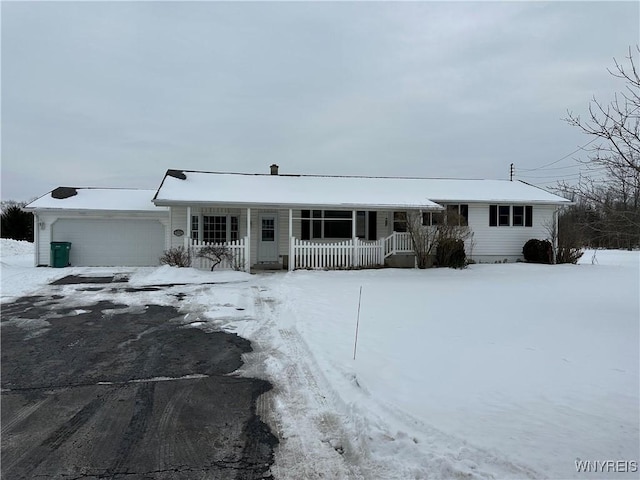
<point>111,242</point>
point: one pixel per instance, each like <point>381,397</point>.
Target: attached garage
<point>106,227</point>
<point>111,242</point>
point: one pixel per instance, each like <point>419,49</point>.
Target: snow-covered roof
<point>191,187</point>
<point>111,199</point>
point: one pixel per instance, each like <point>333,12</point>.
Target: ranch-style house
<point>287,221</point>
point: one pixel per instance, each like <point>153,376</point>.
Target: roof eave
<point>159,211</point>
<point>187,203</point>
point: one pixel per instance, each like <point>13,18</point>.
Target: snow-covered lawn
<point>495,371</point>
<point>535,365</point>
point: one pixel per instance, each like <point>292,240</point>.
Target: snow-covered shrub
<point>538,251</point>
<point>176,257</point>
<point>450,253</point>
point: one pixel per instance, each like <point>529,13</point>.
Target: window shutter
<point>373,225</point>
<point>306,225</point>
<point>493,215</point>
<point>528,216</point>
<point>464,213</point>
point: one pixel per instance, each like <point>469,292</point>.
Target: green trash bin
<point>60,254</point>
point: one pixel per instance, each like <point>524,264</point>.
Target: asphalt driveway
<point>100,391</point>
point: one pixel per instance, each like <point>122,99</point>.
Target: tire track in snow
<point>322,437</point>
<point>313,443</point>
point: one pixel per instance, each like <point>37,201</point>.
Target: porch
<point>307,254</point>
<point>279,238</point>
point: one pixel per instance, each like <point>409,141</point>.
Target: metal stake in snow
<point>355,344</point>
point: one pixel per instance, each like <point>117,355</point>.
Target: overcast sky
<point>113,94</point>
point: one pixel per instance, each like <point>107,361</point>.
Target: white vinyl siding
<point>178,222</point>
<point>44,239</point>
<point>504,242</point>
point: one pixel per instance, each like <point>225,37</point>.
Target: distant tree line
<point>16,223</point>
<point>609,222</point>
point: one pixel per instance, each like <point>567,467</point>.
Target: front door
<point>268,238</point>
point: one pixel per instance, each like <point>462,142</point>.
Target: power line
<point>563,158</point>
<point>552,168</point>
<point>550,176</point>
<point>582,172</point>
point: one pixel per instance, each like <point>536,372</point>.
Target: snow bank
<point>166,275</point>
<point>9,247</point>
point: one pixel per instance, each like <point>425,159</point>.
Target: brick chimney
<point>274,169</point>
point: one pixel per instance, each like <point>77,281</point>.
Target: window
<point>507,215</point>
<point>328,223</point>
<point>337,224</point>
<point>504,214</point>
<point>433,218</point>
<point>456,214</point>
<point>215,228</point>
<point>361,224</point>
<point>194,226</point>
<point>518,216</point>
<point>522,216</point>
<point>268,230</point>
<point>305,224</point>
<point>234,229</point>
<point>399,221</point>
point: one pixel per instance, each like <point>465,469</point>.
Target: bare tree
<point>427,236</point>
<point>613,191</point>
<point>422,238</point>
<point>565,238</point>
<point>216,254</point>
<point>616,124</point>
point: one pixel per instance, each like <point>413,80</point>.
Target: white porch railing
<point>237,249</point>
<point>353,253</point>
<point>397,242</point>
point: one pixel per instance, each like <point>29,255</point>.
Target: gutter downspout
<point>36,240</point>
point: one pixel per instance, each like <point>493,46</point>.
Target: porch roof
<point>241,189</point>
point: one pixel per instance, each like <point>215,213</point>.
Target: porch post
<point>247,247</point>
<point>187,237</point>
<point>354,238</point>
<point>291,261</point>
